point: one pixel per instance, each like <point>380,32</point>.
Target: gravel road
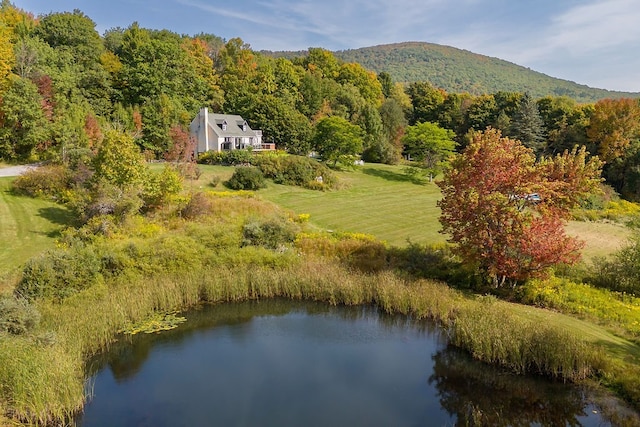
<point>15,170</point>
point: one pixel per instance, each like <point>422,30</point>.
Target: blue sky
<point>593,42</point>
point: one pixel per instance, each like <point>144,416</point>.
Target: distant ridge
<point>458,70</point>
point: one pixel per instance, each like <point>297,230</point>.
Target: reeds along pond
<point>47,378</point>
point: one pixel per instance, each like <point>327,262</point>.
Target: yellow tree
<point>7,58</point>
<point>614,124</point>
<point>614,128</point>
<point>203,65</point>
<point>366,81</point>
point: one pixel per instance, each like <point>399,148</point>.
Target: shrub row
<point>296,170</point>
<point>282,169</point>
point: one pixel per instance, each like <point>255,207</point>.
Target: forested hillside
<point>456,70</point>
<point>67,91</point>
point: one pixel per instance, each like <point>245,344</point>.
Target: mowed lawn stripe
<point>374,199</point>
<point>27,226</point>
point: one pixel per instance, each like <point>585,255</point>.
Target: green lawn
<point>373,199</point>
<point>27,227</point>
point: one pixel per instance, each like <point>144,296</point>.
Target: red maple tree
<point>506,212</point>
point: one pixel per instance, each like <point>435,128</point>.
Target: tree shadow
<point>58,216</point>
<point>623,349</point>
<point>389,175</point>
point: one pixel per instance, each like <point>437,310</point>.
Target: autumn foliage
<point>506,211</point>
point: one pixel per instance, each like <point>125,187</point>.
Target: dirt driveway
<point>15,170</point>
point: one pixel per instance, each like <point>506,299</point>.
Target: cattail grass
<point>40,383</point>
<point>493,332</point>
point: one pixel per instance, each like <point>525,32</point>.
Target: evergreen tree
<point>527,125</point>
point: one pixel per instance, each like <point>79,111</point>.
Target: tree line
<point>63,86</point>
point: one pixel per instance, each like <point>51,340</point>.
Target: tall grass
<point>40,383</point>
<point>46,381</point>
<point>491,332</point>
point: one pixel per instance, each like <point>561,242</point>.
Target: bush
<point>159,188</point>
<point>17,316</point>
<point>227,158</point>
<point>45,181</point>
<point>211,158</point>
<point>215,180</point>
<point>199,204</point>
<point>271,233</point>
<point>108,199</point>
<point>296,170</point>
<point>247,178</point>
<point>59,273</point>
<point>621,272</point>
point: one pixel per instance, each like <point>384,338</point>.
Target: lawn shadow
<point>390,176</point>
<point>58,216</point>
<point>626,350</point>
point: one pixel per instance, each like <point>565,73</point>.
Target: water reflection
<point>280,363</point>
<point>479,395</point>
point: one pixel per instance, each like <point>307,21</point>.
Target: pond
<point>283,363</point>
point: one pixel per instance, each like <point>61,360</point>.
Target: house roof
<point>234,125</point>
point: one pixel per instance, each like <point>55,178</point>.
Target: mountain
<point>457,70</point>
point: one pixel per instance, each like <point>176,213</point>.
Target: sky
<point>592,42</point>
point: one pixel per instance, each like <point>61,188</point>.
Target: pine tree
<point>527,125</point>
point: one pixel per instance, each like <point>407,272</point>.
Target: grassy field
<point>601,239</point>
<point>27,227</point>
<point>381,200</point>
<point>373,199</point>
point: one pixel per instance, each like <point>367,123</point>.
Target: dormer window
<point>224,125</point>
<point>244,126</point>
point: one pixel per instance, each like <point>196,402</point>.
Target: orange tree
<point>506,212</point>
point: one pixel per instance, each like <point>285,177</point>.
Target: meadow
<point>383,201</point>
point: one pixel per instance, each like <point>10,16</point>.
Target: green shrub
<point>238,157</point>
<point>247,178</point>
<point>215,180</point>
<point>621,272</point>
<point>614,210</point>
<point>59,273</point>
<point>272,233</point>
<point>296,170</point>
<point>17,316</point>
<point>227,158</point>
<point>211,158</point>
<point>108,199</point>
<point>159,188</point>
<point>50,181</point>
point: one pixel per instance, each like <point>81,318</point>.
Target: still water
<point>279,363</point>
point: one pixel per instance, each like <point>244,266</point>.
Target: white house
<point>222,132</point>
